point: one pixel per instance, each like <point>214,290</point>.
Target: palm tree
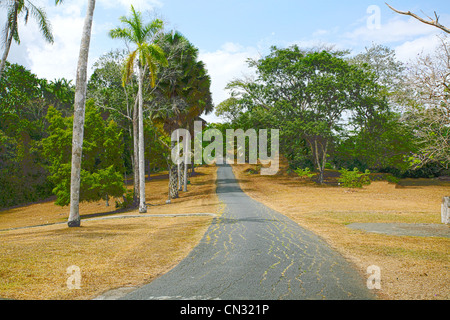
<point>147,55</point>
<point>187,93</point>
<point>78,120</point>
<point>197,95</point>
<point>16,9</point>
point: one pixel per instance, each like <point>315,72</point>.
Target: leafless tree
<point>431,21</point>
<point>428,103</point>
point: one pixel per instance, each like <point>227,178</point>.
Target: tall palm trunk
<point>142,205</point>
<point>173,176</point>
<point>136,153</point>
<point>181,176</point>
<point>179,167</point>
<point>186,151</point>
<point>9,38</point>
<point>78,120</point>
<point>173,182</point>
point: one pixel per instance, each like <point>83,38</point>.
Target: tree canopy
<point>337,111</point>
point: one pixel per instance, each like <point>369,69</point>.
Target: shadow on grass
<point>109,213</point>
<point>423,183</point>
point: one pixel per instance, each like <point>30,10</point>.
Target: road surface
<point>252,252</point>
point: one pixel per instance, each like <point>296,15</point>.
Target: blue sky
<point>229,32</point>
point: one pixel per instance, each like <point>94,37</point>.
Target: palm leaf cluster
<point>147,52</point>
<point>15,10</point>
<point>24,8</point>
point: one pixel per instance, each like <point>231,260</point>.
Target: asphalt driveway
<point>252,252</point>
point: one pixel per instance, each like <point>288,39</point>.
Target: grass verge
<point>110,253</point>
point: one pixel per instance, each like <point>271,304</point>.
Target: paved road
<point>251,252</point>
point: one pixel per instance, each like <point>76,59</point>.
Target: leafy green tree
<point>120,102</point>
<point>105,183</point>
<point>112,147</point>
<point>57,144</point>
<point>228,109</point>
<point>384,143</point>
<point>102,166</point>
<point>59,93</point>
<point>19,89</point>
<point>22,126</point>
<point>306,95</point>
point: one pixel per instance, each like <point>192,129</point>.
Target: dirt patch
<point>405,229</point>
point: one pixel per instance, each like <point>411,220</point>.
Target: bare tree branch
<point>434,23</point>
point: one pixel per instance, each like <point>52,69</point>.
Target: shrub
<point>304,172</point>
<point>354,179</point>
<point>255,170</point>
<point>127,201</point>
<point>392,179</point>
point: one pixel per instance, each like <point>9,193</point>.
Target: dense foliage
<point>36,118</point>
<point>338,112</point>
<point>24,101</point>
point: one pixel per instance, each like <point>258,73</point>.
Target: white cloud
<point>59,59</point>
<point>410,50</point>
<point>394,30</point>
<point>320,32</point>
<point>224,65</point>
<point>140,5</point>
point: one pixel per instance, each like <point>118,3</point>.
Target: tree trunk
<point>142,205</point>
<point>321,162</point>
<point>192,127</point>
<point>136,154</point>
<point>181,176</point>
<point>186,154</point>
<point>318,166</point>
<point>324,159</point>
<point>185,179</point>
<point>78,120</point>
<point>178,177</point>
<point>9,37</point>
<point>173,177</point>
<point>173,182</point>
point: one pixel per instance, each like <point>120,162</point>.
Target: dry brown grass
<point>110,253</point>
<point>411,267</point>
